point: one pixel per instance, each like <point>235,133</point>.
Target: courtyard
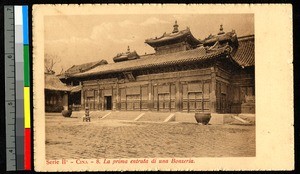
<point>114,138</point>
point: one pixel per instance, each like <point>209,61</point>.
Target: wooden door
<point>164,102</point>
<point>108,105</point>
<point>195,103</point>
<point>132,102</point>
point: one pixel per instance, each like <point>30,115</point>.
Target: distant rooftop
<point>84,67</point>
<point>53,83</point>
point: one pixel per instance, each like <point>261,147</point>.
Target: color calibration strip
<point>17,68</point>
<point>27,139</point>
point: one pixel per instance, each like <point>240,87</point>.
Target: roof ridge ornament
<point>175,30</point>
<point>128,49</point>
<point>221,30</point>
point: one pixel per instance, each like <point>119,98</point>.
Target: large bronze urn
<point>202,117</point>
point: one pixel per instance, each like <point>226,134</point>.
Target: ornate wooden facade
<point>216,78</point>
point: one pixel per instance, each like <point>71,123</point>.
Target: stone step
<point>115,115</point>
<point>170,118</point>
<point>138,117</point>
<point>155,116</point>
<point>240,119</point>
<point>249,117</point>
<point>185,117</point>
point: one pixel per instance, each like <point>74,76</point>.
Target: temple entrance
<point>164,102</point>
<point>108,103</point>
<point>195,102</point>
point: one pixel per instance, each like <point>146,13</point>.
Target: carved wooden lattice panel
<point>195,102</point>
<point>155,97</point>
<point>173,96</point>
<point>123,98</point>
<point>164,102</point>
<point>145,97</point>
<point>133,102</point>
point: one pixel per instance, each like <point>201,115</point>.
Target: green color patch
<point>26,66</point>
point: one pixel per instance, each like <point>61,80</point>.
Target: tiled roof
<point>52,82</point>
<point>155,61</point>
<point>226,37</point>
<point>126,56</point>
<point>173,36</point>
<point>244,55</point>
<point>84,67</point>
<point>76,88</point>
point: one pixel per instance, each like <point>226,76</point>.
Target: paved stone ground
<point>72,138</point>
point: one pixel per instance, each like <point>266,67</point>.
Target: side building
<point>56,93</point>
<point>75,93</point>
<point>183,75</point>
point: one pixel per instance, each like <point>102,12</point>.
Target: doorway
<point>195,103</point>
<point>108,103</point>
<point>164,102</point>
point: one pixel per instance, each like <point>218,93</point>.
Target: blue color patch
<point>25,24</point>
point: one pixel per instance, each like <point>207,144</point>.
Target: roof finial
<point>128,49</point>
<point>221,30</point>
<point>175,30</point>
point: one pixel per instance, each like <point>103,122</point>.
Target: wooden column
<point>125,98</point>
<point>140,97</point>
<point>178,96</point>
<point>202,102</point>
<point>113,105</point>
<point>102,99</point>
<point>213,94</point>
<point>170,96</point>
<point>98,97</point>
<point>82,97</point>
<point>150,93</point>
<point>118,104</point>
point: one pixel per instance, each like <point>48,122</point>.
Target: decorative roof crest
<point>175,30</point>
<point>128,49</point>
<point>221,30</point>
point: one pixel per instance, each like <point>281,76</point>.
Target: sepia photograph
<point>138,88</point>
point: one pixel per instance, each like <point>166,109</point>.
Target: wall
<point>53,101</point>
<point>187,91</point>
<point>217,89</point>
<point>243,87</point>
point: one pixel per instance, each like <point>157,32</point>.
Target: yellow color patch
<point>27,107</point>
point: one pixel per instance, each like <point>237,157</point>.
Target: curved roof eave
<point>199,58</point>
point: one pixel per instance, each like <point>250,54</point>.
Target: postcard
<point>132,87</point>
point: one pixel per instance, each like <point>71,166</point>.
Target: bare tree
<point>62,70</point>
<point>50,61</point>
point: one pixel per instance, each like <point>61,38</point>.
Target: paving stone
<point>125,139</point>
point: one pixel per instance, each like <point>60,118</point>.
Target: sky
<point>78,39</point>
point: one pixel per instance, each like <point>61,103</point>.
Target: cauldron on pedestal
<point>203,118</point>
